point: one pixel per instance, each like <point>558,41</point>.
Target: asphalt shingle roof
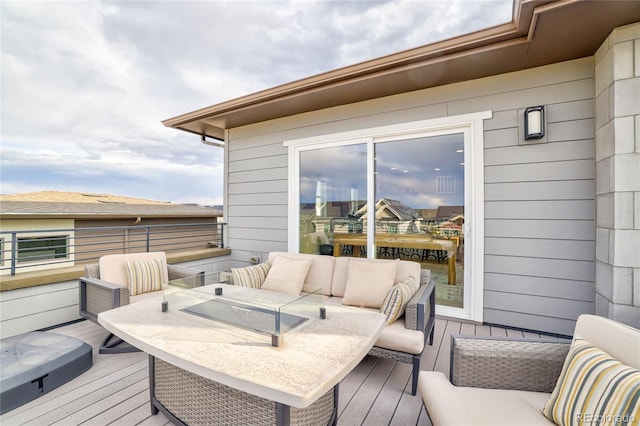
<point>64,204</point>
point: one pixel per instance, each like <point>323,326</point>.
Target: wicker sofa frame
<point>97,296</point>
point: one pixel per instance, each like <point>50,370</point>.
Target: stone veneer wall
<point>618,176</point>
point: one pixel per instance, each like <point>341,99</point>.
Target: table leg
<point>452,267</point>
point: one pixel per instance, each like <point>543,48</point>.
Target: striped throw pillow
<point>250,276</point>
<point>397,298</point>
<point>144,275</point>
<point>594,388</point>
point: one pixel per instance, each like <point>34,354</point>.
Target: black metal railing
<point>31,249</point>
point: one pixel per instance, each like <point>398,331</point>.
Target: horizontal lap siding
<point>540,215</point>
<point>256,198</point>
<point>539,198</point>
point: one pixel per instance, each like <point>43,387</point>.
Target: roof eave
<point>497,50</point>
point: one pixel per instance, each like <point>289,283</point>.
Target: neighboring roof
<point>76,197</point>
<point>448,212</point>
<point>542,32</point>
<point>54,204</point>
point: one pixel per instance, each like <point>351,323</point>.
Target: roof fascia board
<point>537,11</point>
<point>522,15</point>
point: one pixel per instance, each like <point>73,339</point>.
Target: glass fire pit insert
<point>246,316</point>
<point>254,310</point>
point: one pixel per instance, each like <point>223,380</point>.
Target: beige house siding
<point>539,210</point>
<point>36,226</point>
<point>93,244</point>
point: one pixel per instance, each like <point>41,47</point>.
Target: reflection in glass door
<point>333,188</point>
<point>419,205</point>
<point>419,208</point>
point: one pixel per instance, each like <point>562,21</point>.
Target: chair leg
<point>114,345</point>
<point>414,376</point>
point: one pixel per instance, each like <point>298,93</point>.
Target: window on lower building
<point>38,249</point>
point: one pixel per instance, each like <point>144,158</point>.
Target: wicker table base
<point>187,398</point>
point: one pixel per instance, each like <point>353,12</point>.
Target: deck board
<point>115,391</point>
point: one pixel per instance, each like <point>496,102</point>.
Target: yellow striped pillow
<point>397,298</point>
<point>594,388</point>
<point>144,275</point>
<point>250,276</point>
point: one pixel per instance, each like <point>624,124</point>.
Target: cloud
<point>85,84</point>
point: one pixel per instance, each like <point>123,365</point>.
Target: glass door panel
<point>419,208</point>
<point>333,189</point>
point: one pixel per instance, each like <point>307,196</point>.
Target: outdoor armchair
<point>120,279</point>
<point>502,381</point>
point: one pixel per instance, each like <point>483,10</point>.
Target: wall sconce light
<point>534,122</point>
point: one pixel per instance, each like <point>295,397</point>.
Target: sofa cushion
<point>144,276</point>
<point>368,282</point>
<point>250,276</point>
<point>453,405</point>
<point>287,275</point>
<point>397,337</point>
<point>592,384</point>
<point>320,273</point>
<point>397,298</point>
<point>112,267</point>
<point>406,268</point>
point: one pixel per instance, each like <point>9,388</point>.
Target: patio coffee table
<point>206,368</point>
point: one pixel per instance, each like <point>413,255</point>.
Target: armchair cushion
<point>250,276</point>
<point>112,267</point>
<point>397,337</point>
<point>593,385</point>
<point>368,282</point>
<point>456,405</point>
<point>144,276</point>
<point>397,298</point>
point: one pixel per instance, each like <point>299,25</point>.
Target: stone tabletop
<point>314,358</point>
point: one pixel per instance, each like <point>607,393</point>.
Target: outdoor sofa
<point>593,379</point>
<point>108,285</point>
<point>400,288</point>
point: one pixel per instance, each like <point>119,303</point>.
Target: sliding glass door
<point>409,195</point>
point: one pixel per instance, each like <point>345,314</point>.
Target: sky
<point>86,84</point>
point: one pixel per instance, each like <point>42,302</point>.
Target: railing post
<point>148,243</point>
<point>14,252</point>
<point>222,235</point>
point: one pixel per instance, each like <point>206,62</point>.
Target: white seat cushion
<point>447,404</point>
<point>397,337</point>
<point>394,336</point>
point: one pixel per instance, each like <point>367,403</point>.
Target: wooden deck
<point>115,391</point>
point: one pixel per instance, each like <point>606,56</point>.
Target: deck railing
<point>37,248</point>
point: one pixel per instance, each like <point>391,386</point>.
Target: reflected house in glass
<point>393,217</point>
